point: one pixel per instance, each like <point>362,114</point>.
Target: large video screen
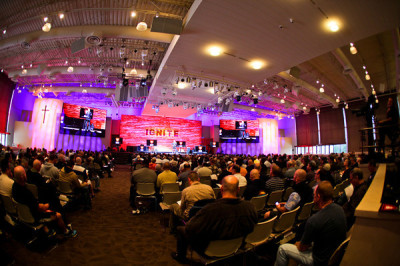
<point>82,120</point>
<point>239,131</point>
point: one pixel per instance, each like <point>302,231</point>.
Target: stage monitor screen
<point>151,142</point>
<point>239,131</point>
<point>214,144</point>
<point>181,144</point>
<point>200,149</point>
<point>117,140</point>
<point>82,120</point>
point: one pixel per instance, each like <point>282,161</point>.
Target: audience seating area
<point>277,230</point>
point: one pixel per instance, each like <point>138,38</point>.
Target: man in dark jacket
<point>226,218</point>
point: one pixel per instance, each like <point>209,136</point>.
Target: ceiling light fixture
<point>133,71</point>
<point>181,85</point>
<point>353,50</point>
<point>367,76</point>
<point>46,27</point>
<point>133,13</point>
<point>79,60</point>
<point>24,71</point>
<point>337,100</point>
<point>256,64</point>
<point>141,26</point>
<point>45,19</point>
<point>70,69</point>
<point>215,51</point>
<point>282,100</point>
<point>333,25</point>
<point>4,31</point>
<point>321,89</point>
<point>61,15</point>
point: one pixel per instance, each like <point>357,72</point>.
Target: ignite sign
<point>162,132</point>
<point>136,130</point>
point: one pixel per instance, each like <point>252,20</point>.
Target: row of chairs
<point>21,214</point>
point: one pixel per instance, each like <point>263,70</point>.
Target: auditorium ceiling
<point>289,40</point>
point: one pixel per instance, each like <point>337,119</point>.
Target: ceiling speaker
<point>166,25</point>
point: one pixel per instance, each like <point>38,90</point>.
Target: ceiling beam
<point>344,61</point>
<point>308,87</point>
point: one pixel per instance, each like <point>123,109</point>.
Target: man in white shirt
<point>236,173</point>
<point>6,181</point>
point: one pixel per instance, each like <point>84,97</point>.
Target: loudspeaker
<point>78,45</point>
<point>166,25</point>
<point>295,72</point>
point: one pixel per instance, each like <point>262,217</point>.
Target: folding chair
<point>259,202</point>
<point>274,197</point>
<point>146,191</point>
<point>260,234</point>
<point>283,226</point>
<point>33,188</point>
<point>169,187</point>
<point>287,193</point>
<point>219,250</point>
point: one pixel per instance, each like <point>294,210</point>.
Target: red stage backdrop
<point>135,130</point>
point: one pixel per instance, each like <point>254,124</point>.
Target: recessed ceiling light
<point>333,25</point>
<point>256,64</point>
<point>133,13</point>
<point>215,50</point>
<point>61,15</point>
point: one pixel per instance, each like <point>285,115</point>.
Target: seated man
<point>275,182</point>
<point>142,175</point>
<point>79,187</point>
<point>195,192</point>
<point>82,174</point>
<point>6,179</point>
<point>301,195</point>
<point>255,186</point>
<point>360,188</point>
<point>47,191</point>
<point>324,231</point>
<point>23,195</point>
<point>226,218</point>
<point>167,176</point>
<point>236,172</point>
<point>49,170</point>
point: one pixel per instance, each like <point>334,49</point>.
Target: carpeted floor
<point>107,235</point>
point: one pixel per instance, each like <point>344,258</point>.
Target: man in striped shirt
<point>275,182</point>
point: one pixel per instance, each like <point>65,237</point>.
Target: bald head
<point>254,174</point>
<point>300,176</point>
<point>20,175</point>
<point>230,187</point>
<point>37,164</point>
<point>78,160</point>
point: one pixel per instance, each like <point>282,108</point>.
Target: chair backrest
<point>241,191</point>
<point>169,187</point>
<point>305,211</point>
<point>145,189</point>
<point>287,193</point>
<point>259,202</point>
<point>286,220</point>
<point>205,180</point>
<point>274,197</point>
<point>223,248</point>
<point>171,197</point>
<point>65,187</point>
<point>9,205</point>
<point>32,188</point>
<point>217,192</point>
<point>337,255</point>
<point>312,183</point>
<point>261,232</point>
<point>24,213</point>
<point>198,205</point>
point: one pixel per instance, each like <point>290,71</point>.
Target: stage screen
<point>82,120</point>
<point>136,130</point>
<point>239,131</point>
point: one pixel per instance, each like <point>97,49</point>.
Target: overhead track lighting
<point>353,50</point>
